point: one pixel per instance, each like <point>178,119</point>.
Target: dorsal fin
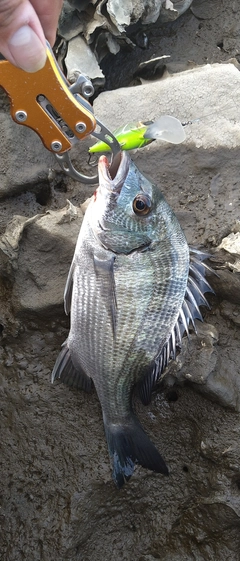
<point>197,285</point>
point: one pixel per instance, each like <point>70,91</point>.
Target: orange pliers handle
<point>26,92</point>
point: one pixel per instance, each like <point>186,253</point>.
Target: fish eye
<point>142,205</point>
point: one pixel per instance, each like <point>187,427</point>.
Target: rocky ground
<point>57,498</point>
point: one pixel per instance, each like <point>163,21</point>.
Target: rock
<point>25,163</point>
<point>204,10</point>
<point>123,15</point>
<point>226,285</point>
<point>231,243</point>
<point>29,248</point>
<point>172,10</point>
<point>34,247</point>
<point>107,20</point>
<point>200,168</point>
<point>226,262</point>
<point>201,365</point>
<point>230,311</point>
<point>70,23</point>
<point>80,58</point>
<point>198,357</point>
<point>152,69</point>
<point>190,96</point>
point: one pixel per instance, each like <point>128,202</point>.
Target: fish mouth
<point>113,175</point>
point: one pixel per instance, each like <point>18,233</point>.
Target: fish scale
<point>158,316</point>
<point>132,292</point>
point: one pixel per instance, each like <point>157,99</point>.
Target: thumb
<point>22,40</point>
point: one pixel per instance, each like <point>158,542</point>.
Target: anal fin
<point>65,371</point>
<point>146,385</point>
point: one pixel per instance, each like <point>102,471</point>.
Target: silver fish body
<point>126,290</point>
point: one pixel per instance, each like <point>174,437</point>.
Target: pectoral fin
<point>103,266</point>
<point>68,290</point>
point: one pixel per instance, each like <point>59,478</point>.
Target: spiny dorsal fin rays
<point>173,344</point>
<point>182,321</point>
<point>198,255</point>
<point>197,292</point>
<point>198,258</point>
<point>190,314</point>
<point>194,297</point>
<point>178,338</point>
<point>194,305</point>
<point>199,277</point>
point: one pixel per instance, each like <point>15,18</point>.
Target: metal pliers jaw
<point>47,103</point>
<point>65,162</point>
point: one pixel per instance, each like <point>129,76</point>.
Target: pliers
<point>59,112</point>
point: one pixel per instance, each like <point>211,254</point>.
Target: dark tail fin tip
<point>129,444</point>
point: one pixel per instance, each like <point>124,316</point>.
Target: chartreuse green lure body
<point>138,135</point>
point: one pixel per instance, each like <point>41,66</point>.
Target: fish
<point>133,289</point>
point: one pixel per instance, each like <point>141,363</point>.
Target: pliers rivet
<point>80,127</point>
<point>21,116</point>
<point>56,146</point>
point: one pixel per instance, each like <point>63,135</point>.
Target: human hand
<point>24,26</point>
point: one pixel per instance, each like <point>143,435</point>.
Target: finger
<point>22,40</point>
<point>48,13</point>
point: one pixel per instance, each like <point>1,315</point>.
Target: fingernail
<point>27,49</point>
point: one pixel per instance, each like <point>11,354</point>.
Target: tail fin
<point>129,444</point>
